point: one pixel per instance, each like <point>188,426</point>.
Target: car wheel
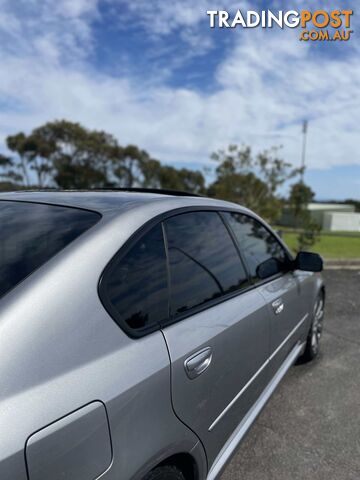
<point>167,472</point>
<point>313,340</point>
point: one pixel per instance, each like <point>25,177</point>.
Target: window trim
<point>237,246</point>
<point>143,230</point>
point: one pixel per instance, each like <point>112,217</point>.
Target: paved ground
<point>311,426</point>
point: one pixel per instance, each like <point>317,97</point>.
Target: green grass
<point>329,246</point>
<point>337,233</point>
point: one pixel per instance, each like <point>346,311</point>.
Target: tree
<point>251,180</point>
<point>133,167</point>
<point>8,176</point>
<point>80,158</point>
<point>183,179</point>
<point>191,181</point>
<point>63,154</point>
<point>67,155</point>
<point>31,157</point>
<point>300,196</point>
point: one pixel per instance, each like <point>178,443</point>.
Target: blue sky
<point>155,74</point>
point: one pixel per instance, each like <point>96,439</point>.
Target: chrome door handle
<point>198,363</point>
<point>278,306</point>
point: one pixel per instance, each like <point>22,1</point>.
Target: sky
<point>154,74</point>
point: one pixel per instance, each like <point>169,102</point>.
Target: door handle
<point>198,363</point>
<point>278,306</point>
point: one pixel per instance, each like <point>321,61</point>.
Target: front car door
<point>285,292</point>
<point>218,336</point>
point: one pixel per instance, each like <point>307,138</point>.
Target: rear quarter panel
<point>61,350</point>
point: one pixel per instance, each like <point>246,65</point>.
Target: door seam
<point>172,401</point>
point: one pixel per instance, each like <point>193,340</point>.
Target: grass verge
<point>329,246</point>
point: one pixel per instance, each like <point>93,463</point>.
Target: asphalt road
<point>311,426</point>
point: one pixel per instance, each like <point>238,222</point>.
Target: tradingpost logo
<point>317,25</point>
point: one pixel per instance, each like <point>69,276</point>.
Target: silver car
<point>141,333</point>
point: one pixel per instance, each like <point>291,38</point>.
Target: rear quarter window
<point>32,233</point>
<point>134,287</point>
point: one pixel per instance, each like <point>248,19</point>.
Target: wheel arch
<point>190,460</point>
<point>185,462</point>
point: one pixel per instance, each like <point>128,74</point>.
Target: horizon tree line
<point>66,155</point>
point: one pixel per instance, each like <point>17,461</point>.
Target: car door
<point>218,336</point>
<point>284,292</point>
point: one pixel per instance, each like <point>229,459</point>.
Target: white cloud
<point>47,29</point>
<point>265,85</point>
<point>76,8</point>
<point>159,17</point>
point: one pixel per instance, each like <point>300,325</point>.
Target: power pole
<point>304,131</point>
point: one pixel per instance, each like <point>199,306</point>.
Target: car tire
<point>312,347</point>
<point>167,472</point>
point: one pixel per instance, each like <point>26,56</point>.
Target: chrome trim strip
<point>236,398</point>
<point>245,387</point>
<point>238,434</point>
<point>288,337</point>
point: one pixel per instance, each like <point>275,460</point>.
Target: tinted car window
<point>136,284</point>
<point>256,243</point>
<point>204,263</point>
<point>31,233</point>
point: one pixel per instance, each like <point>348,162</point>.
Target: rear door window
<point>203,261</point>
<point>32,233</point>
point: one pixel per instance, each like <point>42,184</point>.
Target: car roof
<point>112,202</point>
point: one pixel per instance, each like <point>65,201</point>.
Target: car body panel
<point>233,441</point>
<point>286,308</point>
<point>237,330</point>
<point>61,350</point>
<point>75,447</point>
<point>71,363</point>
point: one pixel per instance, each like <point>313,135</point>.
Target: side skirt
<point>229,448</point>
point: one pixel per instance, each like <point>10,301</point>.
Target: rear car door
<point>284,292</point>
<point>218,332</point>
